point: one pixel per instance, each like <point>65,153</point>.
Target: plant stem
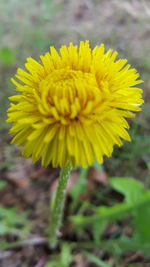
<point>56,212</point>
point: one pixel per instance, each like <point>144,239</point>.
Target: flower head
<point>73,104</point>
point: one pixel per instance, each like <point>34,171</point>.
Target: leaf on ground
<point>19,177</point>
<point>99,176</point>
<point>36,174</point>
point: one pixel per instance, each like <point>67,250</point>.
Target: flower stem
<point>56,212</point>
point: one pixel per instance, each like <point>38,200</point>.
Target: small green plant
<point>135,205</point>
<point>12,223</point>
<point>63,259</point>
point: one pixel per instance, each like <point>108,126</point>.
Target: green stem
<point>58,207</point>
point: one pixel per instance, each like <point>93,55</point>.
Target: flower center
<point>69,94</point>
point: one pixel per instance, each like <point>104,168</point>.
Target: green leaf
<point>63,259</point>
<point>112,213</point>
<point>66,257</point>
<point>141,223</point>
<point>78,188</point>
<point>96,260</point>
<point>13,223</point>
<point>117,246</point>
<point>97,229</point>
<point>51,264</point>
<point>136,204</point>
<point>80,185</point>
<point>129,187</point>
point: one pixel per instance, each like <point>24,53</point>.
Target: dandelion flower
<point>72,106</point>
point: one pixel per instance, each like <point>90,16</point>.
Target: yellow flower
<point>72,105</point>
